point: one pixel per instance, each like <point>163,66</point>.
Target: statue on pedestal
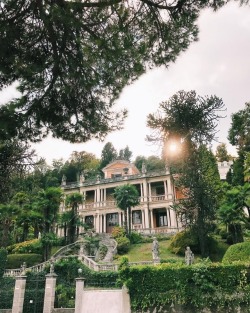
<point>155,249</point>
<point>189,256</point>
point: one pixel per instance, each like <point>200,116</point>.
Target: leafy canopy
<point>71,59</point>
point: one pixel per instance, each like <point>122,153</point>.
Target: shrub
<point>237,252</point>
<point>118,232</point>
<point>190,239</point>
<point>136,238</point>
<point>123,244</point>
<point>183,239</point>
<point>16,260</point>
<point>102,251</point>
<point>3,260</point>
<point>30,246</point>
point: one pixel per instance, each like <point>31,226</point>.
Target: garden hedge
<point>195,287</point>
<point>237,252</point>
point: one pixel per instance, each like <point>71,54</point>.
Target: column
<point>165,189</point>
<point>120,218</point>
<point>146,218</point>
<point>149,192</point>
<point>173,218</point>
<point>143,219</point>
<point>17,306</point>
<point>100,223</point>
<point>49,296</point>
<point>142,195</point>
<point>151,219</point>
<point>145,191</point>
<point>97,225</point>
<point>104,223</point>
<point>79,294</point>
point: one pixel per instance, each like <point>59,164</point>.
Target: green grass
<point>142,252</point>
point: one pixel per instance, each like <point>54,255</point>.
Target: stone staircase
<point>65,252</point>
<point>111,244</point>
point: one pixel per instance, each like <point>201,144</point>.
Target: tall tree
<point>232,210</point>
<point>222,153</point>
<point>72,201</point>
<point>72,59</point>
<point>8,216</point>
<point>126,197</point>
<point>190,121</point>
<point>125,154</point>
<point>108,154</point>
<point>48,202</point>
<point>239,136</point>
<point>15,158</point>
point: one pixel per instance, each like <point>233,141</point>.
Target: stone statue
<point>143,168</point>
<point>52,267</point>
<point>81,178</point>
<point>189,256</point>
<point>63,180</point>
<point>23,268</point>
<point>155,249</point>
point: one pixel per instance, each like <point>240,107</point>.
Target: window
<point>136,217</point>
<point>116,175</point>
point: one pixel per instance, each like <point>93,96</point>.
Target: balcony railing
<point>87,206</point>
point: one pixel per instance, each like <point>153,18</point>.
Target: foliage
<point>15,158</point>
<point>123,244</point>
<point>191,121</point>
<point>182,240</point>
<point>30,246</point>
<point>222,154</point>
<point>118,231</point>
<point>6,292</point>
<point>102,251</point>
<point>153,163</point>
<point>72,201</point>
<point>238,136</point>
<point>195,287</point>
<point>8,216</point>
<point>126,197</point>
<point>16,260</point>
<point>67,271</point>
<point>3,261</point>
<point>237,252</point>
<point>108,154</point>
<point>80,163</point>
<point>73,58</point>
<point>135,237</point>
<point>231,211</point>
<point>125,154</point>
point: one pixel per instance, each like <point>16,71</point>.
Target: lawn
<point>142,252</point>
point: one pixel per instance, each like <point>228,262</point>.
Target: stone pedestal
<point>79,294</point>
<point>19,291</point>
<point>49,296</point>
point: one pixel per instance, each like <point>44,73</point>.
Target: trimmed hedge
<point>16,260</point>
<point>237,252</point>
<point>195,287</point>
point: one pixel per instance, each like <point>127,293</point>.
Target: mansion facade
<point>153,214</point>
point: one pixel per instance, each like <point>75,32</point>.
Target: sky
<point>218,64</point>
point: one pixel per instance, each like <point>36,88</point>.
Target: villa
<point>156,191</point>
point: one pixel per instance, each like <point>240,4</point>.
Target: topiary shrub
<point>182,240</point>
<point>237,252</point>
<point>16,260</point>
<point>30,246</point>
<point>123,245</point>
